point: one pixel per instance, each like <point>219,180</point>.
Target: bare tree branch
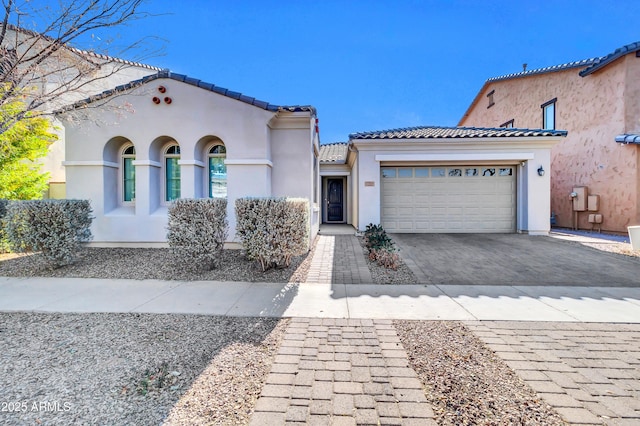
<point>63,57</point>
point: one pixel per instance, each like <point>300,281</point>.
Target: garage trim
<point>494,156</point>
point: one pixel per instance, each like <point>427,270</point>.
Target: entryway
<point>334,200</point>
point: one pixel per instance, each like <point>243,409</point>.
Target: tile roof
<point>590,65</point>
<point>628,138</point>
<point>568,65</point>
<point>436,132</point>
<point>605,60</point>
<point>194,82</point>
<point>335,153</point>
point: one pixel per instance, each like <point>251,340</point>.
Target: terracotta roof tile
<point>628,138</point>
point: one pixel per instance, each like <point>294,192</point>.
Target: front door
<point>335,206</point>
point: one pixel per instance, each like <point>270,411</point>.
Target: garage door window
<point>437,172</point>
<point>422,172</point>
<point>455,172</point>
<point>388,173</point>
<point>508,171</point>
<point>488,172</point>
<point>471,172</point>
<point>405,173</point>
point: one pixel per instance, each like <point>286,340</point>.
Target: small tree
<point>21,148</point>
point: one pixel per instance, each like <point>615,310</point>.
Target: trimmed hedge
<point>273,230</point>
<point>197,231</point>
<point>56,228</point>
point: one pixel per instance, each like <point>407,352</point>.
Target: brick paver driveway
<point>513,259</point>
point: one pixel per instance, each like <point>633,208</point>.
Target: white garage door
<point>449,199</point>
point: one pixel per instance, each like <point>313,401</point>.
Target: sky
<point>374,65</point>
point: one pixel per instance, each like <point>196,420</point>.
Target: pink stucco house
<point>598,102</point>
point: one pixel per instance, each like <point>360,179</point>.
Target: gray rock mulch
<point>466,383</point>
<point>133,369</point>
<point>152,263</point>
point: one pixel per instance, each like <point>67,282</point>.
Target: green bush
<point>4,243</point>
<point>197,231</point>
<point>273,230</point>
<point>55,228</point>
<point>380,246</point>
<point>375,238</point>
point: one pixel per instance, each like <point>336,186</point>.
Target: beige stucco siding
<point>593,109</point>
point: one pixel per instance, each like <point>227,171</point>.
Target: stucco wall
<point>114,75</point>
<point>593,109</point>
<point>194,119</point>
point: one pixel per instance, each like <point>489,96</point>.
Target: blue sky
<point>372,65</point>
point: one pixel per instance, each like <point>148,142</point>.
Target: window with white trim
<point>172,173</point>
<point>217,171</point>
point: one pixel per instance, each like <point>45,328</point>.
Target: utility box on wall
<point>593,203</point>
<point>580,200</point>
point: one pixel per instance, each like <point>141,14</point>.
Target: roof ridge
<point>438,132</point>
<point>551,68</point>
<point>193,82</point>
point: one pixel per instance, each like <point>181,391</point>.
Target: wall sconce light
<point>540,171</point>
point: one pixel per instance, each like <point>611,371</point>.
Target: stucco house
<point>440,180</point>
<point>183,138</point>
<point>597,101</point>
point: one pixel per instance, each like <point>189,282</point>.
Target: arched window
<point>128,174</point>
<point>172,173</point>
<point>217,171</point>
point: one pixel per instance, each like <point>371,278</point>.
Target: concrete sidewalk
<point>420,302</point>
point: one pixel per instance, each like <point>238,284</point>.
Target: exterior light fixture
<point>540,171</point>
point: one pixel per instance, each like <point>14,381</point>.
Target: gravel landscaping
<point>151,263</point>
<point>133,369</point>
<point>382,275</point>
<point>466,383</point>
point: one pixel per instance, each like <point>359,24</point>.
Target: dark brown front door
<point>335,210</point>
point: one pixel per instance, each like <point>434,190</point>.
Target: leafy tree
<point>21,148</point>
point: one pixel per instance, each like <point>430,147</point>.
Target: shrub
<point>4,243</point>
<point>387,258</point>
<point>273,230</point>
<point>375,238</point>
<point>380,246</point>
<point>197,231</point>
<point>56,228</point>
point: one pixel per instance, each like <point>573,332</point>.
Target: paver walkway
<point>342,372</point>
<point>589,373</point>
<point>338,259</point>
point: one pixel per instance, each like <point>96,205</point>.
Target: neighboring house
<point>183,138</point>
<point>89,73</point>
<point>440,180</point>
<point>598,102</point>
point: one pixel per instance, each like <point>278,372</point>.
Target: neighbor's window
<point>217,172</point>
<point>549,114</point>
<point>128,174</point>
<point>490,98</point>
<point>172,173</point>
